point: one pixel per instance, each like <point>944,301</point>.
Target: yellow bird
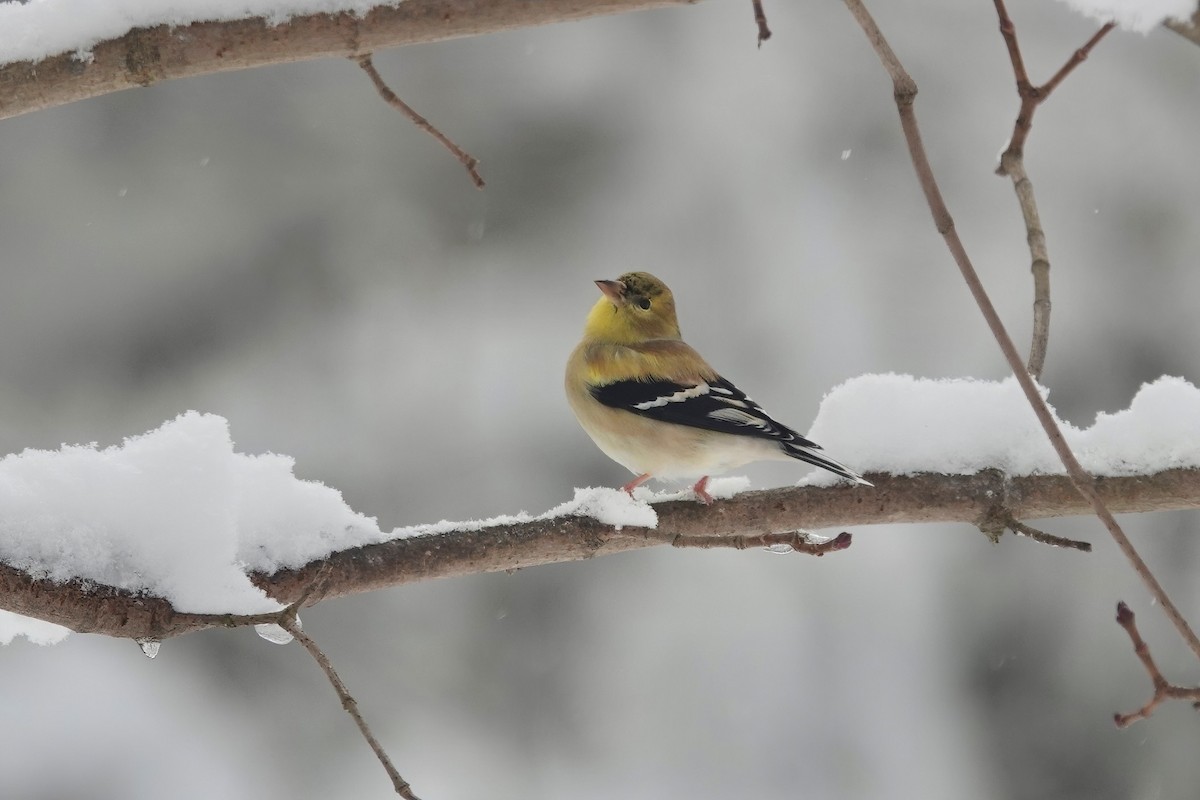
<point>655,406</point>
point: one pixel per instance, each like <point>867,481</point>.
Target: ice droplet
<point>781,548</point>
<point>845,155</point>
<point>275,634</point>
<point>149,646</point>
<point>124,190</point>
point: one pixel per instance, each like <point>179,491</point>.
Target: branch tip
<point>401,786</point>
<point>760,19</point>
<point>367,63</point>
<point>1163,689</point>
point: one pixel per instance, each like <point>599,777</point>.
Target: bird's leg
<point>636,482</point>
<point>701,490</point>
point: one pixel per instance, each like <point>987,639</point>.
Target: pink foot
<point>701,490</point>
<point>636,482</point>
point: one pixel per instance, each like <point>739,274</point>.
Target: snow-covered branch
<point>48,72</point>
<point>515,545</point>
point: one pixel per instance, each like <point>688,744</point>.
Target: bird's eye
<point>644,303</point>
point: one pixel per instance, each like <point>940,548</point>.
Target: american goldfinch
<point>655,406</point>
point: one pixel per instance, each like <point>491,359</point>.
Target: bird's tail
<point>810,455</point>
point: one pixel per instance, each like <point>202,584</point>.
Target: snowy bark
<point>148,55</point>
<point>894,499</point>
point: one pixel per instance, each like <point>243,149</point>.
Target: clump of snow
<point>902,425</point>
<point>174,513</point>
<point>43,28</point>
<point>609,506</point>
<point>1160,430</point>
<point>719,488</point>
<point>1139,16</point>
<point>177,513</point>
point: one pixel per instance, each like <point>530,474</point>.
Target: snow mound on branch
<point>177,513</point>
<point>1139,16</point>
<point>903,425</point>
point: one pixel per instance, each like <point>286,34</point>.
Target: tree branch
<point>905,90</point>
<point>149,55</point>
<point>391,98</point>
<point>1012,164</point>
<point>349,704</point>
<point>1163,689</point>
<point>894,499</point>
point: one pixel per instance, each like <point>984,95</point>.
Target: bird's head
<point>636,307</point>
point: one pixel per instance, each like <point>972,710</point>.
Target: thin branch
<point>390,97</point>
<point>1014,167</point>
<point>894,499</point>
<point>288,623</point>
<point>144,56</point>
<point>1077,58</point>
<point>998,519</point>
<point>1012,164</point>
<point>1162,689</point>
<point>760,18</point>
<point>1020,528</point>
<point>905,93</point>
<point>1033,96</point>
<point>785,542</point>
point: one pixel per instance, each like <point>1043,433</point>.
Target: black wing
<point>715,405</point>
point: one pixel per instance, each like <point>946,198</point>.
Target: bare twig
<point>1016,526</point>
<point>999,519</point>
<point>760,17</point>
<point>790,541</point>
<point>1012,164</point>
<point>1039,265</point>
<point>905,89</point>
<point>288,623</point>
<point>1162,689</point>
<point>390,97</point>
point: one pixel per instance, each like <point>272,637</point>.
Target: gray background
<point>280,247</point>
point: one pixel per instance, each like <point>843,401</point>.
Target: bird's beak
<point>614,291</point>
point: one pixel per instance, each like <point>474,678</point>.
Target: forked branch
<point>1012,164</point>
<point>1163,690</point>
<point>905,89</point>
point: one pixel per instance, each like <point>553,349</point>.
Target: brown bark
<point>149,55</point>
<point>894,499</point>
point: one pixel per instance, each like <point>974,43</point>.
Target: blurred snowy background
<point>281,248</point>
